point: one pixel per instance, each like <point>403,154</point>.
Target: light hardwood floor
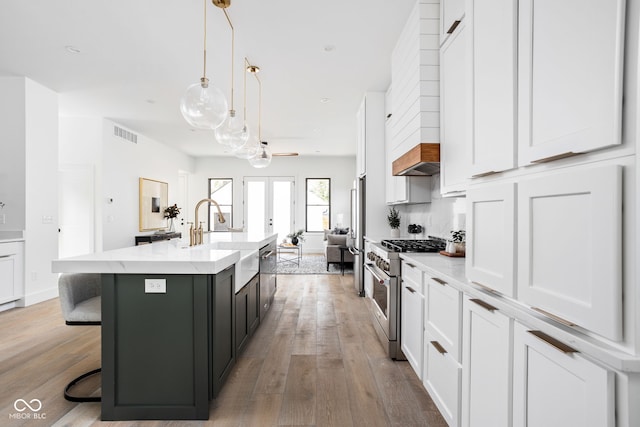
<point>314,361</point>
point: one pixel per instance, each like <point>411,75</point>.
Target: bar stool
<point>80,298</point>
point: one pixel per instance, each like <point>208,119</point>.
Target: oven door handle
<point>379,277</point>
<point>354,251</point>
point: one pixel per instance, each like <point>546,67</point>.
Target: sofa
<point>333,240</point>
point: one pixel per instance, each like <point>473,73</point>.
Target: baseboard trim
<point>40,296</point>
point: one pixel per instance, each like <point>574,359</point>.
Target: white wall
<point>12,153</point>
<point>119,164</point>
<point>28,184</point>
<point>341,170</point>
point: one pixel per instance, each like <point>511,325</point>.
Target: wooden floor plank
<point>299,398</point>
<point>332,401</point>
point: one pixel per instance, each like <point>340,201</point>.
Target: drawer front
<point>442,379</point>
<point>443,309</point>
<point>412,273</point>
<point>7,278</point>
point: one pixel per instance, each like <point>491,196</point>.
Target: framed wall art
<point>154,198</point>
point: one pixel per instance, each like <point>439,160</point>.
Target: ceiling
<point>136,59</point>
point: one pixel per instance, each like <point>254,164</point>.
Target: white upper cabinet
<point>570,247</point>
<point>493,39</point>
<point>569,77</point>
<point>454,131</point>
<point>553,385</point>
<point>451,14</point>
<point>490,257</point>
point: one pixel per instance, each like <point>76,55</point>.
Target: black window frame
<point>306,204</point>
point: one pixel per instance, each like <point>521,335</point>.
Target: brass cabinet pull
<point>483,304</point>
<point>453,27</point>
<point>442,282</point>
<point>556,157</point>
<point>485,287</point>
<point>410,265</point>
<point>410,289</point>
<point>554,317</point>
<point>438,347</point>
<point>480,175</point>
<point>558,345</point>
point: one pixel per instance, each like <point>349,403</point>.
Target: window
<point>220,190</point>
<point>318,209</point>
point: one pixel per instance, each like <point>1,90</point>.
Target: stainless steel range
<point>382,286</point>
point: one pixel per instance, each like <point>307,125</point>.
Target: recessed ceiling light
<point>324,100</point>
<point>72,49</point>
<point>329,48</point>
<point>151,101</point>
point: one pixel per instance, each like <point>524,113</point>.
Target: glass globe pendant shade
<point>249,149</point>
<point>263,158</point>
<point>233,132</point>
<point>204,106</point>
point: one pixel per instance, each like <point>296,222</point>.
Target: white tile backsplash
<point>437,218</point>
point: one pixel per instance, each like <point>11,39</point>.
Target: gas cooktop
<point>428,245</point>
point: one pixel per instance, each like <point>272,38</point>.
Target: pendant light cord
<point>233,42</point>
<point>204,70</point>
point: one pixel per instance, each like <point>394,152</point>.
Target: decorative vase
<point>460,248</point>
<point>294,241</point>
<point>451,248</point>
<point>395,232</point>
<point>172,227</point>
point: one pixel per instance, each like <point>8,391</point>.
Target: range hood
<point>421,160</point>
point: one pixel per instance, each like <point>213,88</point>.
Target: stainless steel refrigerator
<point>358,230</point>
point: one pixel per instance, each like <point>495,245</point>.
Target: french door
<point>269,204</point>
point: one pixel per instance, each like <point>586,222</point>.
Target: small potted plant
<point>458,240</point>
<point>394,221</point>
<point>296,237</point>
<point>170,213</point>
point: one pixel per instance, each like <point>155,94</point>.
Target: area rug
<point>312,264</point>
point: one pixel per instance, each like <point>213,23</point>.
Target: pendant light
<point>203,105</point>
<point>252,146</point>
<point>234,132</point>
<point>262,157</point>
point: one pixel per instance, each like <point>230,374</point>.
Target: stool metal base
<point>71,398</point>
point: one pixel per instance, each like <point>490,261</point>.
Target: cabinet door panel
<point>552,388</point>
<point>412,321</point>
<point>454,99</point>
<point>569,247</point>
<point>491,237</point>
<point>494,32</point>
<point>486,366</point>
<point>570,76</point>
<point>7,278</point>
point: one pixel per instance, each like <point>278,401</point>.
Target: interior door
<point>76,210</point>
<point>269,204</point>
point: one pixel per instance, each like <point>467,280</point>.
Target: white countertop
<point>219,251</point>
<point>8,236</point>
<point>450,267</point>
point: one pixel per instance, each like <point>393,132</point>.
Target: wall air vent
<point>125,134</point>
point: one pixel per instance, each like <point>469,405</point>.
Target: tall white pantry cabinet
<point>549,319</point>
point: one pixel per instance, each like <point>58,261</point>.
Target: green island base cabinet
<point>165,355</point>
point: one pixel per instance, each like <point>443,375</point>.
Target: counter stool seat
<point>80,299</point>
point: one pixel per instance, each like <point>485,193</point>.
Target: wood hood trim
<point>423,159</point>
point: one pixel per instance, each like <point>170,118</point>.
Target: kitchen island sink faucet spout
<point>195,234</point>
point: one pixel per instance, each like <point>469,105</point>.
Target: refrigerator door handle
<point>355,251</point>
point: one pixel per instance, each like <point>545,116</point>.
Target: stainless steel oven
<point>383,292</point>
<point>382,287</point>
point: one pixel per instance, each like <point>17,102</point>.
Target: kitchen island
<point>168,323</point>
